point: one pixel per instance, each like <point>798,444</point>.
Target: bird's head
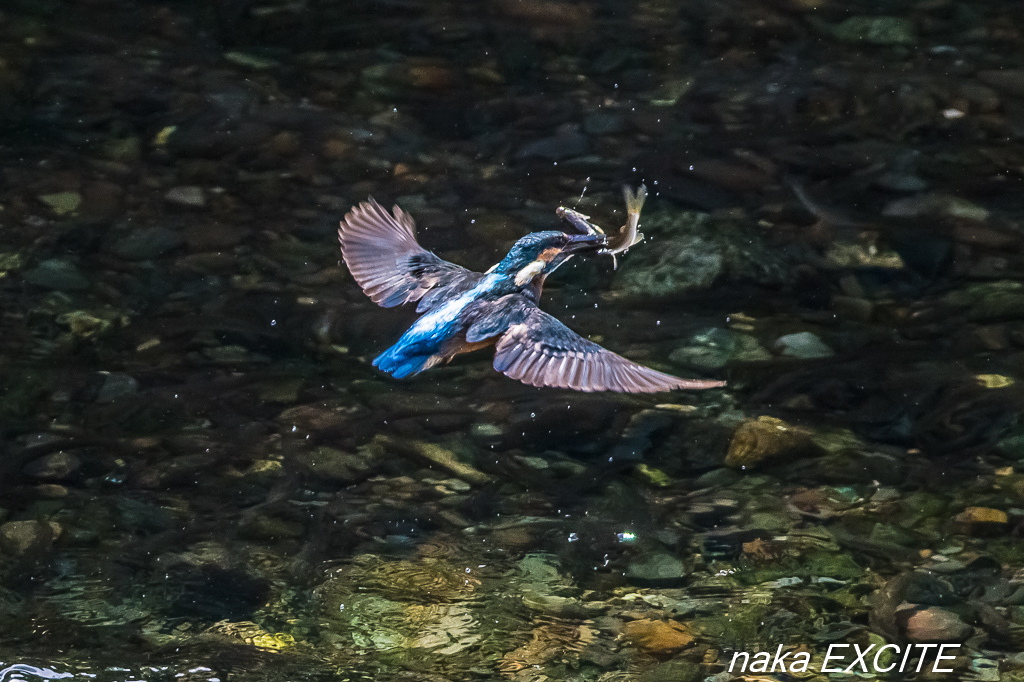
<point>539,253</point>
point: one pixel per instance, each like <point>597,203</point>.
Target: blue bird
<point>465,310</point>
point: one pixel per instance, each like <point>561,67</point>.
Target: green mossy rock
<point>876,31</point>
<point>714,348</point>
<point>685,251</point>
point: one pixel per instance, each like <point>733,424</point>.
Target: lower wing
<point>538,350</point>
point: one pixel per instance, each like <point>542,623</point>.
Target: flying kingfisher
<point>465,310</point>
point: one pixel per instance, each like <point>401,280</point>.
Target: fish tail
<point>634,202</point>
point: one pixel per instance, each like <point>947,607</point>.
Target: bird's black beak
<point>584,242</point>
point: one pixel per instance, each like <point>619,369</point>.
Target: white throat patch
<point>529,272</point>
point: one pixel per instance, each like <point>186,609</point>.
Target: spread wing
<point>381,252</point>
<point>539,350</point>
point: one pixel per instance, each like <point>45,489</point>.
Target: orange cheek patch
<point>547,254</point>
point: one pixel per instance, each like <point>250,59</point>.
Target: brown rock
<point>57,466</point>
<point>818,503</point>
<point>23,538</point>
<point>513,538</point>
<point>658,637</point>
<point>51,491</point>
<point>766,438</point>
<point>885,601</point>
<point>334,465</point>
<point>933,625</point>
<point>432,77</point>
<point>981,521</point>
<point>759,550</point>
<point>314,418</point>
<point>285,143</point>
<point>336,149</point>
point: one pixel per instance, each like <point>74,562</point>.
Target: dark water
<point>203,478</point>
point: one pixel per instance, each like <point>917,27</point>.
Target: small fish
<point>578,220</point>
<point>626,237</point>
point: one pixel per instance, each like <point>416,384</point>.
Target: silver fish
<point>578,220</point>
<point>627,235</point>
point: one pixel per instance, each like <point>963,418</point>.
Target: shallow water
<point>203,478</point>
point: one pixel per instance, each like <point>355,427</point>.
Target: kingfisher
<point>463,310</point>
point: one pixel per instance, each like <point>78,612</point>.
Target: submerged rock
<point>981,521</point>
<point>556,147</point>
<point>1011,445</point>
<point>658,637</point>
<point>420,581</point>
<point>57,274</point>
<point>25,538</point>
<point>767,438</point>
<point>147,243</point>
<point>876,30</point>
<point>86,325</point>
<point>992,301</point>
<point>656,568</point>
<point>935,206</point>
<point>57,466</point>
<point>686,250</point>
<point>933,624</point>
<point>636,439</point>
<point>315,418</point>
<point>62,203</point>
<point>604,123</point>
<point>803,345</point>
<point>188,196</point>
<point>335,465</point>
<point>714,348</point>
<point>116,385</point>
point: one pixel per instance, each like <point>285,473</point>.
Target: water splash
<point>10,671</point>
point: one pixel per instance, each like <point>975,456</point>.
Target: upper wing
<point>539,350</point>
<point>381,252</point>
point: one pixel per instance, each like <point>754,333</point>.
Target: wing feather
<point>381,252</point>
<point>539,350</point>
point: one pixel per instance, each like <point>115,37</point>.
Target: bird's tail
<point>400,363</point>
